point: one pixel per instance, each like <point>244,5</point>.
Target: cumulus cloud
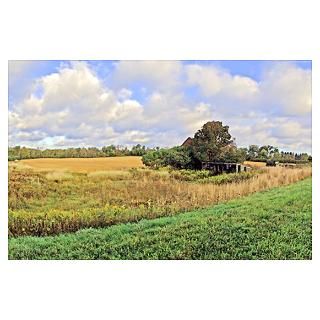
<point>284,132</point>
<point>284,88</point>
<point>73,103</point>
<point>213,81</point>
<point>72,106</point>
<point>161,103</point>
<point>287,88</point>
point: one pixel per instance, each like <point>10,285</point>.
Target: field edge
<point>125,238</point>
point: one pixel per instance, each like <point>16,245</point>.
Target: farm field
<point>83,164</point>
<point>254,164</point>
<point>54,201</point>
<point>273,224</point>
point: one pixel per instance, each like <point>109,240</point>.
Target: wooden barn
<point>187,142</point>
<point>224,167</point>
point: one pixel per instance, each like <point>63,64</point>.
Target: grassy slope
<point>274,224</point>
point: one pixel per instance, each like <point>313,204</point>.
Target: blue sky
<point>95,103</point>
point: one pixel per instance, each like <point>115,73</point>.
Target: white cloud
<point>291,129</point>
<point>194,118</point>
<point>282,132</point>
<point>288,88</point>
<point>213,81</point>
<point>124,94</point>
<point>284,88</point>
<point>74,107</point>
<point>73,104</point>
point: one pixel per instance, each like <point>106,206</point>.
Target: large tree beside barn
<point>213,142</point>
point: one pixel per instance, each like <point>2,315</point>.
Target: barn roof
<point>187,142</point>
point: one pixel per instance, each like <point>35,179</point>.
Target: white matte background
<point>159,30</point>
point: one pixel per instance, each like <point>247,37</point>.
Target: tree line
<point>268,152</point>
<point>19,153</point>
<point>212,142</point>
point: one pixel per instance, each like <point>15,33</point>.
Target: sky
<point>60,104</point>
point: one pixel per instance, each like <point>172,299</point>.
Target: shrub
<point>176,157</point>
<point>155,158</point>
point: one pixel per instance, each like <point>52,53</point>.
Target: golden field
<point>50,201</point>
<point>83,165</point>
<point>254,164</point>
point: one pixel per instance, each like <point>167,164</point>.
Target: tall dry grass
<point>58,175</point>
<point>160,190</point>
<point>99,200</point>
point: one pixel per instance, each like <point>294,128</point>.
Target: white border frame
<point>162,30</point>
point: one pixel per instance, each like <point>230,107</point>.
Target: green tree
<point>109,151</point>
<point>138,150</point>
<point>233,154</point>
<point>263,152</point>
<point>155,158</point>
<point>253,152</point>
<point>179,158</point>
<point>208,142</point>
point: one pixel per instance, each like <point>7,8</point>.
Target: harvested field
<point>254,164</point>
<point>83,165</point>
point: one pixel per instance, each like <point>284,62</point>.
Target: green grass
<point>274,224</point>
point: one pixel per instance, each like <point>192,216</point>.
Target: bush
<point>154,159</point>
<point>190,175</point>
<point>177,157</point>
<point>205,176</point>
<point>13,158</point>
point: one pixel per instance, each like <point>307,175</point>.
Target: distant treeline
<point>268,152</point>
<point>18,153</point>
<point>252,153</point>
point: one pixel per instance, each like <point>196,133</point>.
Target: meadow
<point>54,196</point>
<point>273,224</point>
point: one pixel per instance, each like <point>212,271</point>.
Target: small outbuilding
<point>224,167</point>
